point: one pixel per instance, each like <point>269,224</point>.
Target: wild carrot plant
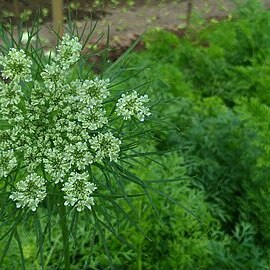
<point>68,138</point>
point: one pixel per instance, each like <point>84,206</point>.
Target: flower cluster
<point>78,191</point>
<point>30,192</point>
<point>106,145</point>
<point>68,51</point>
<point>132,105</point>
<point>58,126</point>
<point>7,162</point>
<point>16,66</point>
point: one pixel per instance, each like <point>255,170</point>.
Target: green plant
<point>221,81</point>
<point>67,140</point>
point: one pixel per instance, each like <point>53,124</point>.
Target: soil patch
<point>126,21</point>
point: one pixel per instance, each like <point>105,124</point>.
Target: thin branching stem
<point>65,234</point>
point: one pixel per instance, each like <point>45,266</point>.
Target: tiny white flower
<point>29,192</point>
<point>99,88</point>
<point>77,155</point>
<point>16,66</point>
<point>91,92</point>
<point>68,51</point>
<point>92,118</point>
<point>56,164</point>
<point>132,105</point>
<point>10,97</point>
<point>53,75</point>
<point>8,162</point>
<point>78,191</point>
<point>33,157</point>
<point>106,146</point>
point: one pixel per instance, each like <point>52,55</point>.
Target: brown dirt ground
<point>127,23</point>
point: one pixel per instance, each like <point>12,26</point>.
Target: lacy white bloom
<point>98,88</point>
<point>132,105</point>
<point>106,146</point>
<point>78,155</point>
<point>56,164</point>
<point>68,51</point>
<point>10,94</point>
<point>8,162</point>
<point>67,54</point>
<point>52,75</point>
<point>78,191</point>
<point>58,123</point>
<point>92,118</point>
<point>33,157</point>
<point>29,192</point>
<point>91,92</point>
<point>16,66</point>
<point>10,97</point>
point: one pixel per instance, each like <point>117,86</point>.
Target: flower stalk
<point>65,233</point>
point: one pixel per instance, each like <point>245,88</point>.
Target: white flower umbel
<point>132,105</point>
<point>16,66</point>
<point>78,191</point>
<point>92,118</point>
<point>106,146</point>
<point>56,164</point>
<point>98,88</point>
<point>60,123</point>
<point>78,155</point>
<point>91,92</point>
<point>8,162</point>
<point>53,76</point>
<point>68,51</point>
<point>10,97</point>
<point>29,192</point>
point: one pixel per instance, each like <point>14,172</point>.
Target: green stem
<point>139,256</point>
<point>65,234</point>
<point>139,259</point>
